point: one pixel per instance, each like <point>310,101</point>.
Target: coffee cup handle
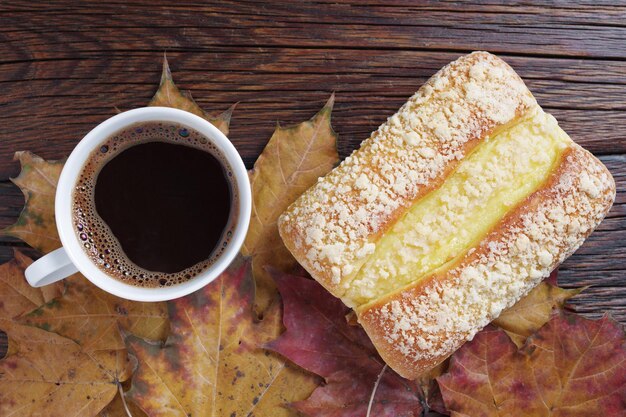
<point>50,268</point>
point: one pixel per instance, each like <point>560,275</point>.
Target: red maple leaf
<point>571,367</point>
<point>320,339</point>
<point>553,278</point>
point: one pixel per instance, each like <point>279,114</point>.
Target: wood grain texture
<point>55,103</point>
<point>65,66</point>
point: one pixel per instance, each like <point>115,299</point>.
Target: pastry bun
<point>449,213</point>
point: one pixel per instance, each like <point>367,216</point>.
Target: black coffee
<point>155,204</point>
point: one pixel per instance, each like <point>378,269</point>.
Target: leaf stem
<point>380,376</point>
<point>121,391</point>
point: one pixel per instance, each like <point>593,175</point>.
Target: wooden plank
<point>599,263</point>
<point>517,28</point>
<point>47,106</point>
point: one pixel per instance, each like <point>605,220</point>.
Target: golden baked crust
<point>420,325</point>
<point>334,226</point>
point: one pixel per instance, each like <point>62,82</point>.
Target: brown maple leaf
<point>169,95</point>
<point>45,374</point>
<point>292,161</point>
<point>38,181</point>
<point>18,296</point>
<point>211,364</point>
<point>533,311</point>
<point>319,339</point>
<point>92,317</point>
<point>571,367</point>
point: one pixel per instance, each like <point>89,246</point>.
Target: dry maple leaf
<point>168,95</point>
<point>533,311</point>
<point>18,296</point>
<point>211,364</point>
<point>47,374</point>
<point>92,317</point>
<point>292,161</point>
<point>571,367</point>
<point>85,314</point>
<point>319,339</point>
<point>38,181</point>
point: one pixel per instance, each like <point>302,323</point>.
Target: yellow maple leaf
<point>18,296</point>
<point>533,311</point>
<point>93,317</point>
<point>211,364</point>
<point>292,161</point>
<point>169,95</point>
<point>38,181</point>
<point>85,313</point>
<point>45,374</point>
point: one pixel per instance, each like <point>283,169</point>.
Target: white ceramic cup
<point>71,257</point>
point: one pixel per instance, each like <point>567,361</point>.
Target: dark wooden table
<point>65,66</point>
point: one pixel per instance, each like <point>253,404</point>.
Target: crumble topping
<point>334,226</point>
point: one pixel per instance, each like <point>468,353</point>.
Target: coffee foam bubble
<point>96,237</point>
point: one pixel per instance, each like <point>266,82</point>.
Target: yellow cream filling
<point>445,223</point>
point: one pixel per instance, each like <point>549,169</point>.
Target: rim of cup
<point>74,165</point>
